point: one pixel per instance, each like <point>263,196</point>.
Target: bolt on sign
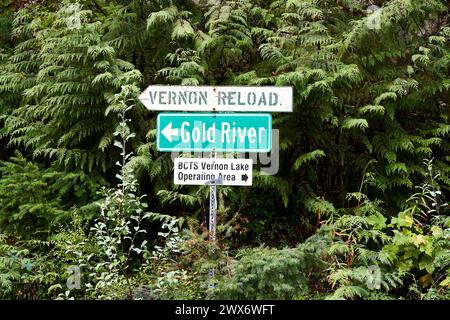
<point>207,171</point>
<point>243,132</point>
<point>222,98</point>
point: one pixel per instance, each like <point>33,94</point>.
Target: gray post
<point>212,224</point>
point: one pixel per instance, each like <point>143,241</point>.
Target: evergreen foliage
<point>61,115</point>
<point>267,273</point>
<point>35,200</point>
<point>353,211</point>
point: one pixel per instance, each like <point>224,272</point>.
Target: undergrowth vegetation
<point>358,205</point>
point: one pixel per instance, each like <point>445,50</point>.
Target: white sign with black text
<point>218,171</point>
<point>221,98</point>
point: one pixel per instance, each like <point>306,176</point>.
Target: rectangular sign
<point>220,98</point>
<point>240,132</point>
<point>203,171</point>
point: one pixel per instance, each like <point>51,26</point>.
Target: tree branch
<point>99,8</point>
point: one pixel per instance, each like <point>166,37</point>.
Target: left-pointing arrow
<point>168,132</point>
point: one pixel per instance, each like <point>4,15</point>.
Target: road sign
<point>221,98</point>
<point>213,171</point>
<point>241,132</point>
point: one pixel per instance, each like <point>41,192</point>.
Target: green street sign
<point>243,132</point>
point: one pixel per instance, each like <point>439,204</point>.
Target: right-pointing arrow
<point>168,132</point>
<point>244,177</point>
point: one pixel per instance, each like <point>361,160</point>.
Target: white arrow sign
<point>221,98</point>
<point>168,132</point>
<point>207,171</point>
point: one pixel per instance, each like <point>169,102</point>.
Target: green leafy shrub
<point>27,269</point>
<point>35,199</point>
<point>269,273</point>
<point>356,254</point>
<point>115,255</point>
<point>63,78</point>
<point>371,258</point>
<point>170,271</point>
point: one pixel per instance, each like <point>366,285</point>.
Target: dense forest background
<point>357,209</point>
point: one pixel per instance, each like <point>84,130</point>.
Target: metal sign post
<point>212,228</point>
<point>212,222</point>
